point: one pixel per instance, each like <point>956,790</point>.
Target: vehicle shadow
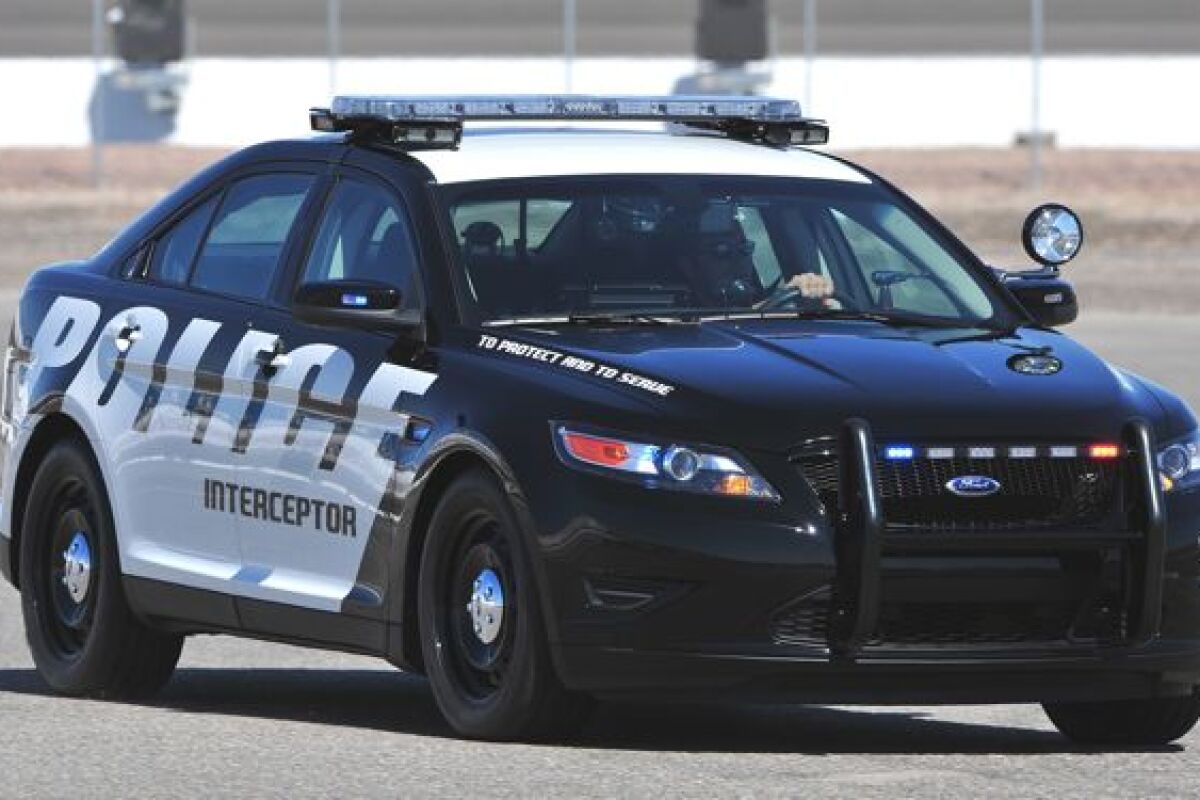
<point>399,703</point>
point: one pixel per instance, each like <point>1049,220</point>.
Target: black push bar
<point>1148,515</point>
<point>859,543</point>
<point>860,532</point>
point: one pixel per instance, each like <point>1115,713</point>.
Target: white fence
<point>1101,101</point>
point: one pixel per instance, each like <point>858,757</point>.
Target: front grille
<point>805,622</point>
<point>1037,492</point>
<point>967,625</point>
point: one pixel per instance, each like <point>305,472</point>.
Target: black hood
<point>773,383</point>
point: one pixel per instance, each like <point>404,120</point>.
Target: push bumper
<point>638,610</point>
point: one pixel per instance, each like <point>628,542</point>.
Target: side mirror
<point>1052,235</point>
<point>363,305</point>
<point>1049,299</point>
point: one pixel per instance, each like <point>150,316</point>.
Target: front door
<point>334,425</point>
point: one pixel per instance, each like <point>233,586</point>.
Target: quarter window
<point>244,248</point>
<point>176,249</point>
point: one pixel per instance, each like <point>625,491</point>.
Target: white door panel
<point>332,464</point>
<point>157,469</point>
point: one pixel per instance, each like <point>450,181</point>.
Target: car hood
<point>772,383</point>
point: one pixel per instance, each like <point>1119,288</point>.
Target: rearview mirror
<point>364,305</point>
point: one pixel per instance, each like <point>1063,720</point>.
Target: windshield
<point>675,246</point>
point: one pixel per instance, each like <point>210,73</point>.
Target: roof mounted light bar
<point>422,122</point>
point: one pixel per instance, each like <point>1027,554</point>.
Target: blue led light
<point>355,300</point>
<point>899,452</point>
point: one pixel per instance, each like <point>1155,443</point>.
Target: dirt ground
<point>1141,210</point>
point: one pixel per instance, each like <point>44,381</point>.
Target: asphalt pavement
<point>624,27</point>
<point>249,719</point>
<point>246,718</point>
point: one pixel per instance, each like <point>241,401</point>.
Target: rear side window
<point>244,247</point>
<point>176,249</point>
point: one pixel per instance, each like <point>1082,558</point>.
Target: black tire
<point>82,635</point>
<point>505,689</point>
<point>1152,722</point>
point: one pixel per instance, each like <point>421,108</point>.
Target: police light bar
<point>436,121</point>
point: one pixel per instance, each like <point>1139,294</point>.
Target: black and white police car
<point>553,414</point>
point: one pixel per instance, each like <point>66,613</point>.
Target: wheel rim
<point>69,571</point>
<point>479,608</point>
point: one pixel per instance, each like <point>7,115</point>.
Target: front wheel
<point>482,635</point>
<point>1150,722</point>
<point>82,635</point>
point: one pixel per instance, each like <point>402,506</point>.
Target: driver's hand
<point>812,286</point>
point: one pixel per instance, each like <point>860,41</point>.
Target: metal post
<point>98,97</point>
<point>810,51</point>
<point>333,40</point>
<point>1037,51</point>
<point>568,45</point>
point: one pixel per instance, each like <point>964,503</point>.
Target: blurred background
<point>979,108</point>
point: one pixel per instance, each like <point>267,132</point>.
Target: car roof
<point>493,154</point>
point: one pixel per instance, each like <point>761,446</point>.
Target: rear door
<point>160,345</point>
<point>180,471</point>
<point>337,423</point>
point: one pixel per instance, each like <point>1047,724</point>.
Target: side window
<point>890,274</point>
<point>176,249</point>
<point>364,235</point>
<point>244,247</point>
<point>542,214</point>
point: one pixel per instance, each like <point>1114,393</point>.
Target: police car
<point>556,413</point>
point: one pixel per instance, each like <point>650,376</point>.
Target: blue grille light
<point>355,300</point>
<point>899,452</point>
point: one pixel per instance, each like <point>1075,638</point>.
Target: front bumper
<point>648,595</point>
<point>1165,670</point>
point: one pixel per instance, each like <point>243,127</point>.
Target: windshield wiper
<point>894,319</point>
<point>883,318</point>
<point>624,317</point>
<point>592,318</point>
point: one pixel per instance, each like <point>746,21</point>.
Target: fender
<point>403,645</point>
<point>50,407</point>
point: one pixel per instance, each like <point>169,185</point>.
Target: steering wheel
<point>781,299</point>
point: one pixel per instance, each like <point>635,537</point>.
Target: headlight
<point>674,467</point>
<point>1179,463</point>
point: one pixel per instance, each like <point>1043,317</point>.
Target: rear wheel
<point>83,638</point>
<point>1146,723</point>
<point>483,639</point>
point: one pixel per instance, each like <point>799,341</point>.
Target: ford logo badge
<point>973,486</point>
<point>1035,364</point>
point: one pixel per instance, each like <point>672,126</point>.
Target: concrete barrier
<point>1101,102</point>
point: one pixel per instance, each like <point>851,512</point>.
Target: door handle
<point>274,359</point>
<point>126,335</point>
